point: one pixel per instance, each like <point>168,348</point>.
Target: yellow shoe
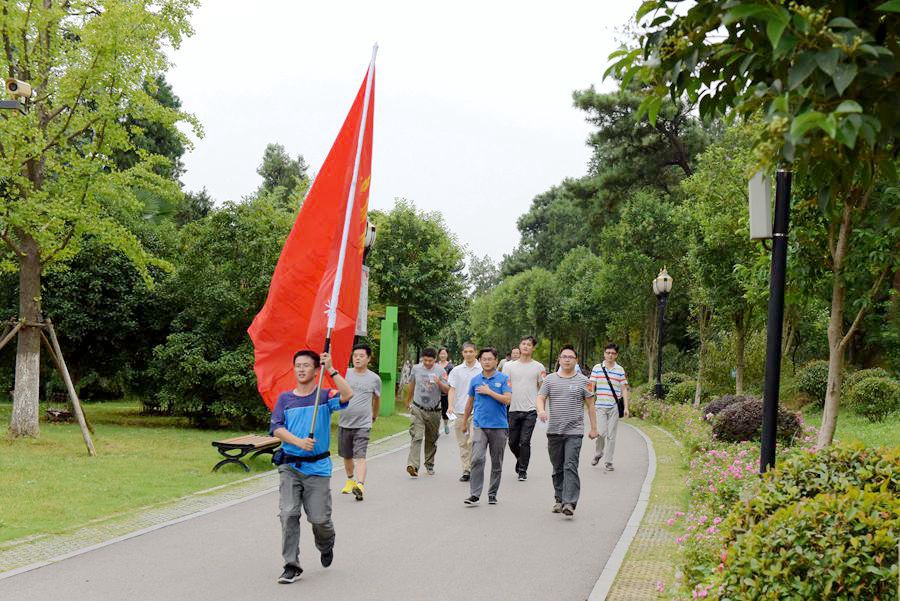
<point>348,487</point>
<point>358,491</point>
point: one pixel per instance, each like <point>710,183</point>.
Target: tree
<point>88,64</point>
<point>204,369</point>
<point>715,226</point>
<point>283,176</point>
<point>417,266</point>
<point>825,76</point>
<point>483,274</point>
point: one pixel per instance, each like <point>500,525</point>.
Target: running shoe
<point>473,500</point>
<point>492,499</point>
<point>464,477</point>
<point>290,574</point>
<point>568,510</point>
<point>609,467</point>
<point>348,487</point>
<point>412,471</point>
<point>358,491</point>
<point>327,557</point>
<point>523,476</point>
<point>596,459</point>
<point>557,508</point>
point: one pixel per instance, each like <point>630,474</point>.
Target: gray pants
<point>607,426</point>
<point>313,495</point>
<point>564,452</point>
<point>423,425</point>
<point>495,438</point>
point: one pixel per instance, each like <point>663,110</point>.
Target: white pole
<point>348,214</point>
<point>336,288</point>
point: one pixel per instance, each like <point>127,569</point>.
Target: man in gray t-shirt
<point>427,381</point>
<point>355,423</point>
<point>568,395</point>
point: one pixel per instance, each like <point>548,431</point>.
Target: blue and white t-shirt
<point>295,413</point>
<point>603,395</point>
<point>488,412</point>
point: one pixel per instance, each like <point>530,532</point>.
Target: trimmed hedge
<point>875,398</point>
<point>852,379</point>
<point>833,546</point>
<point>681,393</point>
<point>671,378</point>
<point>812,380</point>
<point>743,421</point>
<point>726,400</point>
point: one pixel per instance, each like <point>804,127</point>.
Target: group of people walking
<point>488,403</point>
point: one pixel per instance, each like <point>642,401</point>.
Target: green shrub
<point>812,380</point>
<point>726,400</point>
<point>833,546</point>
<point>681,393</point>
<point>801,474</point>
<point>875,398</point>
<point>856,377</point>
<point>743,421</point>
<point>671,378</point>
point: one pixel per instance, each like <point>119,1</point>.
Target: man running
<point>608,387</point>
<point>489,396</point>
<point>525,378</point>
<point>424,389</point>
<point>305,467</point>
<point>459,380</point>
<point>568,395</point>
<point>355,423</point>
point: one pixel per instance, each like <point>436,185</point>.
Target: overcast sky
<point>473,107</point>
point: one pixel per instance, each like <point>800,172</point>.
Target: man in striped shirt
<point>605,403</point>
<point>568,394</point>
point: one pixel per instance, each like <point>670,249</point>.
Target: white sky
<point>473,108</point>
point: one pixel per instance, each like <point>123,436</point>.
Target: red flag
<point>294,315</point>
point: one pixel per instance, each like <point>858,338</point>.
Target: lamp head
<point>663,283</point>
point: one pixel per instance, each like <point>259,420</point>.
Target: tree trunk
<point>24,420</point>
<point>835,334</point>
<point>703,328</point>
<point>740,342</point>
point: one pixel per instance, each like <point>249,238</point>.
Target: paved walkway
<point>410,539</point>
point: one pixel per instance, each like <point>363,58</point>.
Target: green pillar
<point>387,360</point>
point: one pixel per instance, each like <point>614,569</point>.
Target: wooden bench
<point>234,449</point>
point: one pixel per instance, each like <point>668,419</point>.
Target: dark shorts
<point>353,442</point>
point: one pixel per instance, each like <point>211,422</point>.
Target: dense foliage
<point>743,421</point>
<point>875,398</point>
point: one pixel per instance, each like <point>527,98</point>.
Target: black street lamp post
<point>662,285</point>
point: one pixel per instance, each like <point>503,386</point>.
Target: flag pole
<point>348,214</point>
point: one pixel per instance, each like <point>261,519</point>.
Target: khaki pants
<point>464,437</point>
<point>423,425</point>
<point>607,426</point>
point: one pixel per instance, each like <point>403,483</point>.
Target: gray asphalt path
<point>411,539</point>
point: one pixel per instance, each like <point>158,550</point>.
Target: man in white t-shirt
<point>525,378</point>
<point>459,380</point>
<point>607,387</point>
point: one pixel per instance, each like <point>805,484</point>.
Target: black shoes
<point>327,558</point>
<point>464,477</point>
<point>492,499</point>
<point>290,574</point>
<point>473,500</point>
<point>523,476</point>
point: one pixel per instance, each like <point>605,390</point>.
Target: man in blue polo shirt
<point>305,472</point>
<point>489,396</point>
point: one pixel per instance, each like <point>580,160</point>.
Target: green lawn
<point>50,484</point>
<point>855,428</point>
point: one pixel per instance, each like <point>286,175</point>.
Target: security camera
<point>18,89</point>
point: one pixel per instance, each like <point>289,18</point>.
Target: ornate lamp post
<point>662,285</point>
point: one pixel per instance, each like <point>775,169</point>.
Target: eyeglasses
<point>567,357</point>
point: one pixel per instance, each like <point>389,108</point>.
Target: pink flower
<point>660,586</point>
<point>678,514</point>
<point>670,522</point>
<point>717,521</point>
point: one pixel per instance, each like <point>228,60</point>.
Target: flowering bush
<point>803,474</point>
<point>832,546</point>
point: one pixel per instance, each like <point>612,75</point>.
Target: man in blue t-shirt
<point>306,471</point>
<point>489,396</point>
